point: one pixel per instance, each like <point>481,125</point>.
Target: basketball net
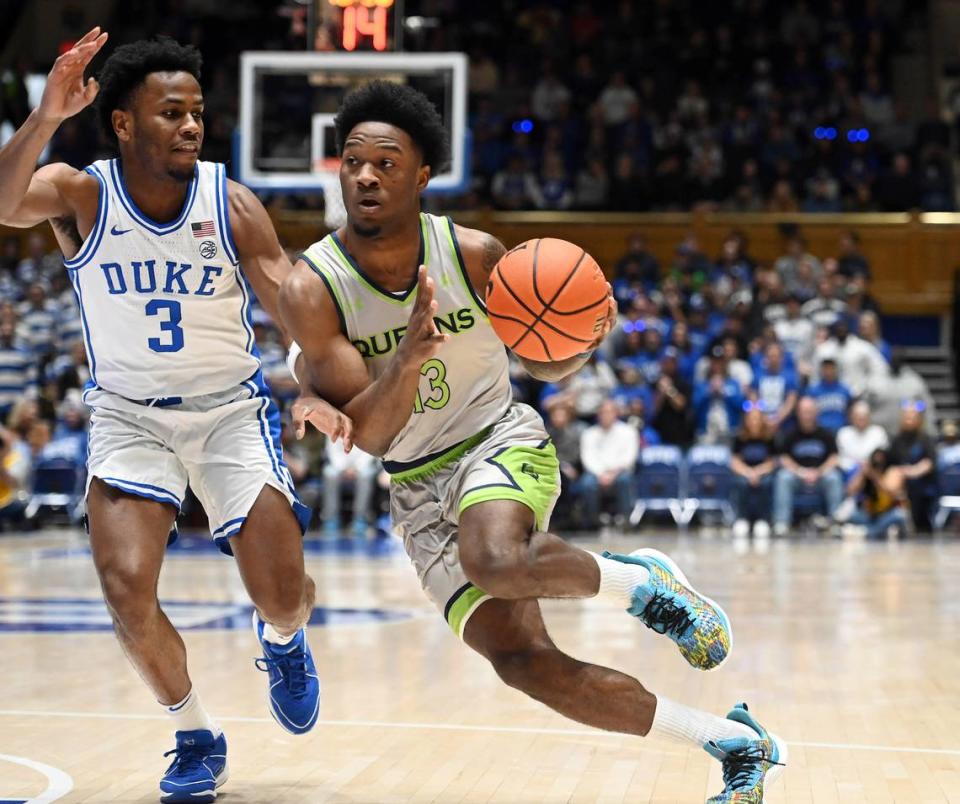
<point>334,211</point>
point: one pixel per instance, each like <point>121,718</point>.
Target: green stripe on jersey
<point>444,459</point>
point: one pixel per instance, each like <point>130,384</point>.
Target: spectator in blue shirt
<point>831,396</point>
<point>774,387</point>
<point>687,354</point>
<point>697,327</point>
<point>647,360</point>
<point>717,402</point>
<point>753,461</point>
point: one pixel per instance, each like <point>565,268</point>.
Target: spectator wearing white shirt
<point>860,439</point>
<point>862,367</point>
<point>616,100</point>
<point>355,467</point>
<point>608,451</point>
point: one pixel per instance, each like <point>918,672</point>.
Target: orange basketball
<point>547,299</point>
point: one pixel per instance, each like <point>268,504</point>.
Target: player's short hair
<point>398,105</point>
<point>128,67</point>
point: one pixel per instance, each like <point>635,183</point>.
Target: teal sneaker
<point>668,605</point>
<point>748,765</point>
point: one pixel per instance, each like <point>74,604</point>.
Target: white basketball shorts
<point>225,445</point>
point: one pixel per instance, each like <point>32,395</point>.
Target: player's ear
<point>122,121</point>
<point>423,178</point>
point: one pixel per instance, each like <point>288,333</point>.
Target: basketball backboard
<point>288,102</point>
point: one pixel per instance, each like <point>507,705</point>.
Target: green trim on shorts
<point>437,463</point>
<point>459,611</point>
<point>531,476</point>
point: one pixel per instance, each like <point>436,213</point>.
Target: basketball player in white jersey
<point>409,355</point>
<point>153,243</point>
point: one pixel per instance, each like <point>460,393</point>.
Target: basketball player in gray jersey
<point>388,311</point>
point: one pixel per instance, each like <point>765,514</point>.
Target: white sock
<point>678,723</point>
<point>271,635</point>
<point>618,580</point>
<point>189,715</point>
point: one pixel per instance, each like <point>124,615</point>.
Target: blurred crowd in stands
<point>784,365</point>
<point>741,105</point>
<point>744,106</point>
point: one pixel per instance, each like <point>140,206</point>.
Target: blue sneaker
<point>294,684</point>
<point>668,605</point>
<point>199,767</point>
<point>748,765</point>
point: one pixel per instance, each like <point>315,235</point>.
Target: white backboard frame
<point>455,179</point>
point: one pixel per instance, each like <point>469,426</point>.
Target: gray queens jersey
<point>466,387</point>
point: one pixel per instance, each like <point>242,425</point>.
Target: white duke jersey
<point>466,387</point>
<point>164,307</point>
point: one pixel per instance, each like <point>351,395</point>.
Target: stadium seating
<point>660,483</point>
<point>709,482</point>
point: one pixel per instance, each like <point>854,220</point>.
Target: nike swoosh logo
<point>115,231</point>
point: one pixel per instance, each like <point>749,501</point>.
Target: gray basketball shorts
<point>513,459</point>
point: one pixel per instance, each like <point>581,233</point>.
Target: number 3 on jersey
<point>171,325</point>
<point>436,373</point>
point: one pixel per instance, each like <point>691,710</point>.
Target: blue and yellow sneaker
<point>294,685</point>
<point>668,605</point>
<point>199,767</point>
<point>748,765</point>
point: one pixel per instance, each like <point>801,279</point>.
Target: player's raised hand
<point>325,417</point>
<point>66,93</point>
<point>422,340</point>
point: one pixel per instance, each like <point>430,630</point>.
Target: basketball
<point>547,299</point>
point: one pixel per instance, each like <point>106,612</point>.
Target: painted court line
<point>902,749</point>
<point>58,782</point>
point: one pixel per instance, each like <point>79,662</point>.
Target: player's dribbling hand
<point>610,321</point>
<point>422,340</point>
<point>66,93</point>
<point>325,417</point>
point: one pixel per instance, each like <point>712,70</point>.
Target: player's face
<point>164,125</point>
<point>381,177</point>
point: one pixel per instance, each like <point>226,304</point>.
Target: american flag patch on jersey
<point>202,229</point>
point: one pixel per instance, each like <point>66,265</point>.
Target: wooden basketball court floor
<point>850,651</point>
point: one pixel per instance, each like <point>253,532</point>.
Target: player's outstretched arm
<point>30,197</point>
<point>378,409</point>
<point>481,252</point>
